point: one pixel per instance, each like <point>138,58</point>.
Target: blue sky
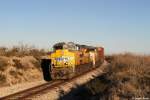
<point>118,25</point>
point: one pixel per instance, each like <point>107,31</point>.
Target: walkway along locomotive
<point>69,59</point>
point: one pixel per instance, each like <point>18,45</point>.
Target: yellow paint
<point>63,58</point>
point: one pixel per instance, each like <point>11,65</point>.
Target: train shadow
<point>93,90</point>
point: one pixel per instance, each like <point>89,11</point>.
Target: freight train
<point>69,59</point>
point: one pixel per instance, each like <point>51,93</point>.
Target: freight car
<point>69,59</point>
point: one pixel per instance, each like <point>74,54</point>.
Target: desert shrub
<point>36,53</point>
<point>20,73</point>
<point>98,85</point>
<point>22,50</point>
<point>36,64</point>
<point>13,73</point>
<point>13,52</point>
<point>3,51</point>
<point>2,78</point>
<point>18,64</point>
<point>3,64</point>
<point>129,75</point>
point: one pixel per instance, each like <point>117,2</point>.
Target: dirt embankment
<point>15,70</point>
<point>20,64</point>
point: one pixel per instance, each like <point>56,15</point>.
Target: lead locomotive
<point>69,59</point>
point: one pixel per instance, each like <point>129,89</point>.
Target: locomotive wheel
<point>46,66</point>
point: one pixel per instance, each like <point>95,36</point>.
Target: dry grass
<point>129,75</point>
<point>3,64</point>
<point>2,79</point>
<point>22,50</point>
<point>18,64</point>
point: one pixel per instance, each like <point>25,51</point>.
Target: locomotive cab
<point>62,61</point>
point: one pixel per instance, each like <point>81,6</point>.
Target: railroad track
<point>41,89</point>
<point>31,91</point>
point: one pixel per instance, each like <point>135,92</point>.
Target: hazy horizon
<point>117,25</point>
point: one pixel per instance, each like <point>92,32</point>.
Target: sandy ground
<point>4,91</point>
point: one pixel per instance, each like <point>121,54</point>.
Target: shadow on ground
<point>93,90</point>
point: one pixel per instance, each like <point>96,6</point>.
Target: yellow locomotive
<point>69,59</point>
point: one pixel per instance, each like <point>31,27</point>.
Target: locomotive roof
<point>72,44</point>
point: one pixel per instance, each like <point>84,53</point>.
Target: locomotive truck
<point>69,59</point>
